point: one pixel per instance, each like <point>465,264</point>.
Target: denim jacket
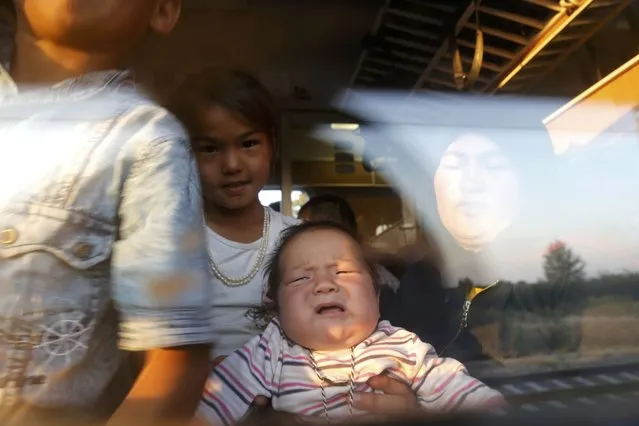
<point>101,237</point>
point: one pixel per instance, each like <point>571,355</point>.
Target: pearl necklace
<point>261,255</point>
<point>323,379</point>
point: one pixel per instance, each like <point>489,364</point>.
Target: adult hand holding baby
<point>397,397</point>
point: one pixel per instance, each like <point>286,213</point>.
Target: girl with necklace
<point>232,122</point>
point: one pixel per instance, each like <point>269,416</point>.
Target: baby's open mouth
<point>329,308</point>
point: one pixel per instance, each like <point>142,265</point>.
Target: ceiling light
<point>345,126</point>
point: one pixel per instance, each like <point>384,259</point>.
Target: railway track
<point>572,388</point>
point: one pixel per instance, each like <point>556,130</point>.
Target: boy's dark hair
<point>8,12</point>
<point>269,308</point>
<point>236,91</point>
<point>333,208</point>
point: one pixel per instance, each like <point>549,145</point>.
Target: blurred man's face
<point>476,189</point>
<point>97,25</point>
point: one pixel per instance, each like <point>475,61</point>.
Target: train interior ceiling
<point>308,52</point>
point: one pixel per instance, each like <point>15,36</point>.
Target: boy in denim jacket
<point>101,246</point>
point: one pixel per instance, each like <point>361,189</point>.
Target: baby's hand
<point>260,401</point>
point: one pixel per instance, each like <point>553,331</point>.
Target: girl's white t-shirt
<point>231,327</point>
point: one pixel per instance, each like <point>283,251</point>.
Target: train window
<point>273,198</point>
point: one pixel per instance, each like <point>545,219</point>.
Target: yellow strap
<point>475,291</point>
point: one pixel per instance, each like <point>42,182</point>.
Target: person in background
<point>321,307</point>
<point>336,209</point>
<point>233,123</point>
<point>100,222</point>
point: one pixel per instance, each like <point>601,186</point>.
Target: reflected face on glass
<point>476,189</point>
